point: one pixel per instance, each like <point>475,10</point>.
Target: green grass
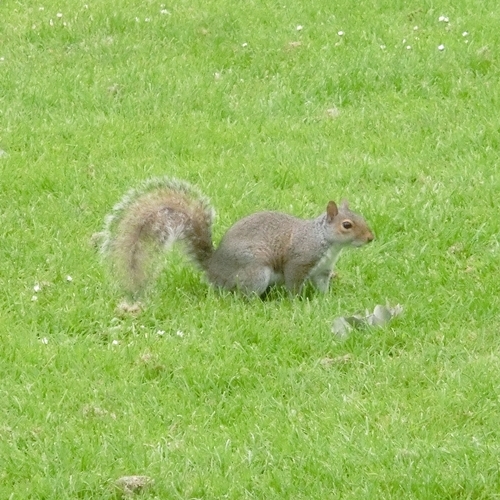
<point>213,395</point>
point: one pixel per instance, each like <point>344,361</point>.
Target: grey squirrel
<point>258,251</point>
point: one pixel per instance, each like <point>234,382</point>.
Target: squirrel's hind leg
<point>254,280</point>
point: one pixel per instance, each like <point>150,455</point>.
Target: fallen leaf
<point>381,315</point>
<point>129,485</point>
<point>333,112</point>
<point>127,308</point>
<point>339,360</point>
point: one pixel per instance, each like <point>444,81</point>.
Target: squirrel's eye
<point>347,224</point>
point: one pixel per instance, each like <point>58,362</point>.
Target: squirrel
<point>261,250</point>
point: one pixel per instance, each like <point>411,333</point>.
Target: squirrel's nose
<point>370,237</point>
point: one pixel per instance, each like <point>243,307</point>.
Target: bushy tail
<point>150,219</point>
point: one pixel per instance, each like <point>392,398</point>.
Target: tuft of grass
<point>263,106</point>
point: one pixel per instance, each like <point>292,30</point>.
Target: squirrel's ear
<point>331,210</point>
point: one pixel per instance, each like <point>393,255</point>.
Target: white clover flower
<point>34,298</point>
<point>164,11</point>
<point>340,33</point>
<point>299,27</point>
<point>147,19</point>
<point>115,342</point>
<point>160,332</point>
<point>415,28</point>
<point>408,47</point>
<point>383,47</point>
<point>179,333</point>
<point>44,340</point>
<point>245,44</point>
<point>444,19</point>
<point>37,288</point>
<point>441,47</point>
<point>69,278</point>
<point>59,15</point>
<point>465,33</point>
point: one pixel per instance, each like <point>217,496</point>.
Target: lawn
<point>279,106</point>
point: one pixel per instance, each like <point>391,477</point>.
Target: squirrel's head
<point>347,227</point>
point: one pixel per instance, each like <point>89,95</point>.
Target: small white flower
<point>44,340</point>
<point>441,47</point>
<point>404,40</point>
<point>465,33</point>
<point>59,15</point>
<point>245,44</point>
<point>415,28</point>
<point>340,33</point>
<point>160,332</point>
<point>299,27</point>
<point>34,298</point>
<point>408,47</point>
<point>443,19</point>
<point>164,11</point>
<point>179,333</point>
<point>137,19</point>
<point>383,47</point>
<point>41,8</point>
<point>51,22</point>
<point>147,19</point>
<point>37,288</point>
<point>115,342</point>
